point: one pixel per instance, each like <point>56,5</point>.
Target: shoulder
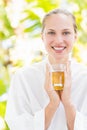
<point>31,70</point>
<point>78,66</point>
<point>78,69</point>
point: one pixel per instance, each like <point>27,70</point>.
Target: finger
<point>47,72</point>
<point>67,75</point>
<point>49,77</point>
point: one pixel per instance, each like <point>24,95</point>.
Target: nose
<point>59,39</point>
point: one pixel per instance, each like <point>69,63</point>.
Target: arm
<point>76,115</point>
<point>81,114</point>
<point>49,113</point>
<point>19,112</point>
<point>65,96</point>
<point>80,121</point>
<point>54,100</point>
<point>70,115</point>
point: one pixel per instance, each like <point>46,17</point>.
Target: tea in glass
<point>57,72</point>
<point>58,80</point>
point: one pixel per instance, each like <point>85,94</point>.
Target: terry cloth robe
<point>28,99</point>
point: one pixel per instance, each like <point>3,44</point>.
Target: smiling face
<point>58,36</point>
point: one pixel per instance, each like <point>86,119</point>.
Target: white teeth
<point>58,48</point>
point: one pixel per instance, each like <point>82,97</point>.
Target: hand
<point>65,95</point>
<point>54,99</point>
<point>53,95</point>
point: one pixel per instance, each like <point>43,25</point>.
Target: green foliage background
<point>34,19</point>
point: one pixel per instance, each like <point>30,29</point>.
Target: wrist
<point>54,98</point>
<point>53,104</point>
<point>70,109</point>
<point>67,103</point>
<point>70,112</point>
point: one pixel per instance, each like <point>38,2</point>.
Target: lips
<point>59,48</point>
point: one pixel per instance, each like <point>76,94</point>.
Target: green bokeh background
<point>7,31</point>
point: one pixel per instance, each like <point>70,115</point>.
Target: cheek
<point>70,44</point>
<point>71,41</point>
<point>47,40</point>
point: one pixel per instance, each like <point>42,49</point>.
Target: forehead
<point>59,20</point>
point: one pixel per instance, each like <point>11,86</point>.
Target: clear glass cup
<point>57,76</point>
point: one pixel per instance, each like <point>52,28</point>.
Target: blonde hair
<point>60,11</point>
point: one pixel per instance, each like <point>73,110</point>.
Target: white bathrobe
<point>27,99</point>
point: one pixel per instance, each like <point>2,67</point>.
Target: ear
<point>76,37</point>
<point>41,35</point>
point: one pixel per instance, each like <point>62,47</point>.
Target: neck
<point>56,61</point>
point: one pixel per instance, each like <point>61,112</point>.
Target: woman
<point>33,104</point>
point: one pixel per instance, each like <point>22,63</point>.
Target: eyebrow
<point>51,29</point>
<point>67,29</point>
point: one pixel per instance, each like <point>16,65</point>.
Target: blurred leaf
<point>2,87</point>
<point>2,108</point>
<point>33,13</point>
<point>5,27</point>
<point>3,124</point>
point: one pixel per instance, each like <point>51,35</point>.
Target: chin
<point>61,58</point>
<point>58,58</point>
